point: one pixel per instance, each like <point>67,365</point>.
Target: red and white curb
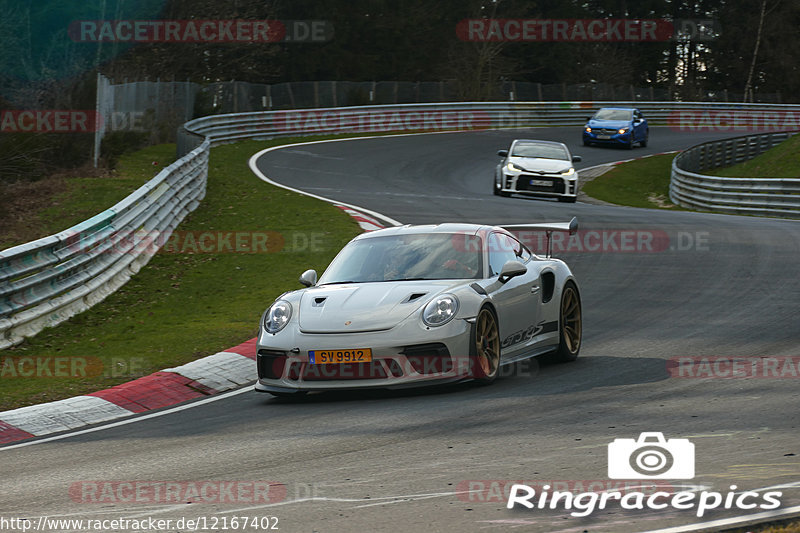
<point>366,222</point>
<point>216,373</point>
<point>226,370</point>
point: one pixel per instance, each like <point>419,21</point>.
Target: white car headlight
<point>277,316</point>
<point>569,172</point>
<point>440,310</point>
<point>514,168</point>
<point>622,130</point>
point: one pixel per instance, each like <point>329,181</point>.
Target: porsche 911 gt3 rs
<point>417,305</point>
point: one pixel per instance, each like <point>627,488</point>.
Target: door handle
<point>534,288</point>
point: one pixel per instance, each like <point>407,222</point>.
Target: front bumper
<point>434,356</point>
<point>551,185</point>
<point>600,136</point>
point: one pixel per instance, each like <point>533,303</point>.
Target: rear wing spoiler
<point>548,228</point>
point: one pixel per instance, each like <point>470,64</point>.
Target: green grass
<point>782,161</point>
<point>640,183</point>
<point>790,525</point>
<point>182,307</point>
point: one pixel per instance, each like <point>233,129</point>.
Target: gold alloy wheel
<point>571,319</point>
<point>487,344</point>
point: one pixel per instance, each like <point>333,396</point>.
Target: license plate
<point>336,357</point>
<point>542,183</point>
<point>604,136</point>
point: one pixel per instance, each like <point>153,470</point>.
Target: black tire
<point>629,146</point>
<point>643,143</point>
<point>570,324</point>
<point>485,347</point>
<point>587,143</point>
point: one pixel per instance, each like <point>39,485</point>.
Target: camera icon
<point>651,457</point>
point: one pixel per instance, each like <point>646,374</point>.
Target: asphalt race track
<point>686,285</point>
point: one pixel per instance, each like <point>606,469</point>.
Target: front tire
<point>643,143</point>
<point>570,324</point>
<point>485,347</point>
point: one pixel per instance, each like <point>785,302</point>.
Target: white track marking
<point>131,420</point>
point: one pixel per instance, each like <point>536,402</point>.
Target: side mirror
<point>576,159</point>
<point>502,153</point>
<point>309,278</point>
<point>510,270</point>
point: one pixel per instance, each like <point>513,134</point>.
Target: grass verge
<point>639,183</point>
<point>791,525</point>
<point>180,306</point>
<point>40,208</point>
<point>782,161</point>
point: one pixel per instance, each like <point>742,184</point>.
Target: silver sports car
<point>537,168</point>
<point>417,305</point>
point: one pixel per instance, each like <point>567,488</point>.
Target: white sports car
<point>537,168</point>
<point>417,305</point>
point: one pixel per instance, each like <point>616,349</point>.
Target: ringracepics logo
<point>586,30</point>
<point>650,457</point>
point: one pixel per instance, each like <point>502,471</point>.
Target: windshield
<point>407,257</point>
<point>613,114</point>
<point>540,150</point>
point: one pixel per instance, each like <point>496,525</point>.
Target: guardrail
<point>44,282</point>
<point>455,116</point>
<point>777,197</point>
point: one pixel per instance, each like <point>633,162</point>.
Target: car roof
<point>622,108</point>
<point>537,141</point>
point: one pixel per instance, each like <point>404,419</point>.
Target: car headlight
<point>569,172</point>
<point>277,316</point>
<point>622,130</point>
<point>440,310</point>
<point>588,129</point>
<point>514,168</point>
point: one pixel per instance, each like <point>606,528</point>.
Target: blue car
<point>621,126</point>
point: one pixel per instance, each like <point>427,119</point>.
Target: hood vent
<point>414,296</point>
<point>319,302</point>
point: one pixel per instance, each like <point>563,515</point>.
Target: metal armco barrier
<point>455,116</point>
<point>44,282</point>
<point>777,197</point>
